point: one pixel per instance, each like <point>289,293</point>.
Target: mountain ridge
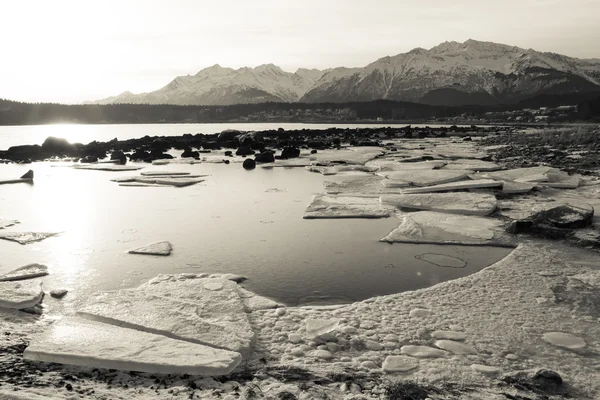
<point>481,71</point>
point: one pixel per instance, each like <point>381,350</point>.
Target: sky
<point>70,51</point>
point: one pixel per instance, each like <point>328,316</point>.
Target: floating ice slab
<point>26,237</point>
<point>26,272</point>
<point>450,335</point>
<point>21,294</point>
<point>423,352</point>
<point>155,249</point>
<point>511,187</point>
<point>455,347</point>
<point>178,182</point>
<point>454,203</point>
<point>423,177</point>
<point>531,174</point>
<point>323,206</point>
<point>164,173</point>
<point>485,369</point>
<point>141,184</point>
<point>362,185</point>
<point>438,228</point>
<point>174,318</point>
<point>564,340</point>
<point>319,327</point>
<point>475,165</point>
<point>389,165</point>
<point>388,183</point>
<point>75,341</point>
<point>398,364</point>
<point>290,163</point>
<point>462,185</point>
<point>107,167</point>
<point>348,156</point>
<point>5,223</point>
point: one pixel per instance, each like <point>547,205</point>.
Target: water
<point>75,133</point>
<point>243,222</point>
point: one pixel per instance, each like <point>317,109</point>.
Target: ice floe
<point>394,364</point>
<point>156,249</point>
<point>298,162</point>
<point>319,327</point>
<point>423,177</point>
<point>26,272</point>
<point>26,237</point>
<point>454,203</point>
<point>450,335</point>
<point>324,206</point>
<point>164,173</point>
<point>348,156</point>
<point>422,351</point>
<point>461,185</point>
<point>475,165</point>
<point>565,340</point>
<point>455,347</point>
<point>20,294</point>
<point>107,167</point>
<point>92,344</point>
<point>360,185</point>
<point>5,223</point>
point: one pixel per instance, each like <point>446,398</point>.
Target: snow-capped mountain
<point>451,73</point>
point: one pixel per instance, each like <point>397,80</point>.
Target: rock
<point>423,352</point>
<point>155,249</point>
<point>455,347</point>
<point>26,237</point>
<point>373,345</point>
<point>233,277</point>
<point>419,313</point>
<point>462,185</point>
<point>227,135</point>
<point>92,344</point>
<point>566,216</point>
<point>319,327</point>
<point>323,354</point>
<point>89,159</point>
<point>26,272</point>
<point>453,203</point>
<point>54,146</point>
<point>249,164</point>
<point>119,156</point>
<point>265,157</point>
<point>280,312</point>
<point>564,340</point>
<point>189,153</point>
<point>369,364</point>
<point>28,175</point>
<point>290,152</point>
<point>21,294</point>
<point>545,377</point>
<point>244,151</point>
<point>442,260</point>
<point>295,338</point>
<point>323,206</point>
<point>59,294</point>
<point>393,364</point>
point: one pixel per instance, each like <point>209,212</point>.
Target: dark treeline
<point>18,113</point>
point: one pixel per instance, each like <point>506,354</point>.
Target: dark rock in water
<point>28,175</point>
<point>244,151</point>
<point>249,164</point>
<point>24,153</point>
<point>211,146</point>
<point>139,155</point>
<point>290,152</point>
<point>313,151</point>
<point>258,146</point>
<point>157,155</point>
<point>228,134</point>
<point>229,153</point>
<point>119,156</point>
<point>190,153</point>
<point>566,216</point>
<point>248,139</point>
<point>89,159</point>
<point>548,377</point>
<point>286,396</point>
<point>467,139</point>
<point>265,157</point>
<point>225,161</point>
<point>59,294</point>
<point>159,145</point>
<point>54,146</point>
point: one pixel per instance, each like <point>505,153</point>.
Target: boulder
<point>119,156</point>
<point>139,155</point>
<point>57,146</point>
<point>28,175</point>
<point>89,159</point>
<point>190,153</point>
<point>244,151</point>
<point>228,135</point>
<point>290,152</point>
<point>265,157</point>
<point>249,164</point>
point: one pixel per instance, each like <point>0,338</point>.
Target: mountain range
<point>452,73</point>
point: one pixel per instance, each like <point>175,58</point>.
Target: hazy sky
<point>76,50</point>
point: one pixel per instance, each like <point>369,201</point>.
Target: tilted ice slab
<point>299,162</point>
<point>362,185</point>
<point>423,352</point>
<point>475,165</point>
<point>357,155</point>
<point>388,165</point>
<point>462,185</point>
<point>107,167</point>
<point>319,327</point>
<point>5,223</point>
<point>178,182</point>
<point>323,206</point>
<point>174,318</point>
<point>155,249</point>
<point>547,176</point>
<point>21,294</point>
<point>164,173</point>
<point>92,344</point>
<point>512,187</point>
<point>454,203</point>
<point>423,177</point>
<point>439,228</point>
<point>26,272</point>
<point>26,237</point>
<point>455,347</point>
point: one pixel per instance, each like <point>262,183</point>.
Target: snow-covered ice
<point>76,341</point>
<point>26,272</point>
<point>20,294</point>
<point>26,237</point>
<point>454,203</point>
<point>361,185</point>
<point>461,185</point>
<point>357,155</point>
<point>108,167</point>
<point>475,165</point>
<point>424,177</point>
<point>156,249</point>
<point>323,206</point>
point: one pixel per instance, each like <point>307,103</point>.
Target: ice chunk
<point>455,347</point>
<point>323,206</point>
<point>511,187</point>
<point>26,237</point>
<point>385,165</point>
<point>107,167</point>
<point>422,352</point>
<point>362,185</point>
<point>564,340</point>
<point>291,163</point>
<point>26,272</point>
<point>485,369</point>
<point>141,184</point>
<point>178,181</point>
<point>398,364</point>
<point>155,249</point>
<point>475,165</point>
<point>319,327</point>
<point>419,313</point>
<point>164,173</point>
<point>21,294</point>
<point>357,155</point>
<point>93,344</point>
<point>423,177</point>
<point>462,185</point>
<point>5,223</point>
<point>454,203</point>
<point>450,335</point>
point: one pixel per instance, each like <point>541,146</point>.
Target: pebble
<point>280,312</point>
<point>373,345</point>
<point>485,369</point>
<point>455,347</point>
<point>369,364</point>
<point>295,338</point>
<point>419,313</point>
<point>423,351</point>
<point>323,354</point>
<point>512,357</point>
<point>398,364</point>
<point>450,335</point>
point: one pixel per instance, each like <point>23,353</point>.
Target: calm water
<point>35,134</point>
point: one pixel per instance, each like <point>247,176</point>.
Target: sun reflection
<point>74,133</point>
